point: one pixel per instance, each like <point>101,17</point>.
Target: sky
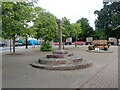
<point>72,9</point>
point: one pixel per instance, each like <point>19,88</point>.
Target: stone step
<point>57,56</point>
<point>75,66</point>
<point>60,52</point>
<point>54,61</point>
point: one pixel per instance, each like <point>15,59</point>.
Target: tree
<point>65,29</point>
<point>46,24</point>
<point>87,30</point>
<point>99,34</point>
<point>109,18</point>
<point>75,31</point>
<point>15,16</point>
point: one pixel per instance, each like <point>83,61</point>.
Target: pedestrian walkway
<point>107,77</point>
<point>17,73</point>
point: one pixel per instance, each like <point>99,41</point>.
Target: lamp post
<point>59,22</point>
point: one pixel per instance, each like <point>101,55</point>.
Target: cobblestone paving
<point>107,77</point>
<point>17,73</point>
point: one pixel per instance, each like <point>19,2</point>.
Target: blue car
<point>33,42</point>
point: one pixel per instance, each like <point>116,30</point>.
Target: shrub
<point>106,47</point>
<point>45,47</point>
<point>90,47</point>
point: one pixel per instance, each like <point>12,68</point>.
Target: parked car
<point>28,43</point>
<point>79,42</point>
<point>56,43</point>
<point>19,43</point>
<point>68,43</point>
<point>35,42</point>
<point>2,44</point>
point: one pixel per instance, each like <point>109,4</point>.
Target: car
<point>56,43</point>
<point>19,43</point>
<point>35,42</point>
<point>28,43</point>
<point>68,43</point>
<point>79,42</point>
<point>2,44</point>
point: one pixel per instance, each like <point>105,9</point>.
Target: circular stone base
<point>60,52</point>
<point>75,66</point>
<point>100,51</point>
<point>58,61</point>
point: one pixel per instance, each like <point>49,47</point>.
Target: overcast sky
<point>72,9</point>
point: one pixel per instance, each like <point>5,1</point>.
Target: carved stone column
<point>59,22</point>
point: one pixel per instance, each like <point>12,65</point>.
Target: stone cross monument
<point>60,59</point>
<point>59,22</point>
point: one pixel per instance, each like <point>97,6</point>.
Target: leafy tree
<point>87,30</point>
<point>99,34</point>
<point>15,16</point>
<point>65,29</point>
<point>108,19</point>
<point>46,25</point>
<point>75,31</point>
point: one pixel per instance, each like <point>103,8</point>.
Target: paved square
<point>17,73</point>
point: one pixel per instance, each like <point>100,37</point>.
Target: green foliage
<point>46,25</point>
<point>45,47</point>
<point>87,30</point>
<point>65,28</point>
<point>108,19</point>
<point>76,30</point>
<point>100,35</point>
<point>15,18</point>
<point>90,47</point>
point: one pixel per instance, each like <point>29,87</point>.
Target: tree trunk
<point>117,42</point>
<point>26,43</point>
<point>10,44</point>
<point>63,45</point>
<point>38,42</point>
<point>14,44</point>
<point>75,43</point>
<point>45,41</point>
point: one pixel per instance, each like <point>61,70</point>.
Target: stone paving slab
<point>17,73</point>
<point>107,77</point>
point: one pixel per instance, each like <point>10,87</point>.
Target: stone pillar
<point>59,22</point>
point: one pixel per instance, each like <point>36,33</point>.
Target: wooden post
<point>60,33</point>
